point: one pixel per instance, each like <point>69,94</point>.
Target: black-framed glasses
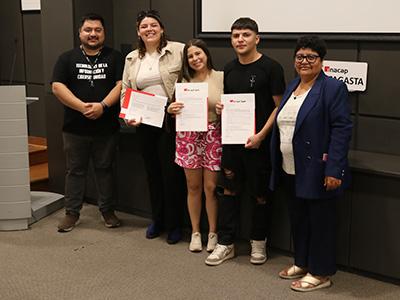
<point>311,58</point>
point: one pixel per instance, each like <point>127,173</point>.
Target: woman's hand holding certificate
<point>193,114</point>
<point>140,107</point>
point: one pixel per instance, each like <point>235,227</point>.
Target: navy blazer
<point>321,138</point>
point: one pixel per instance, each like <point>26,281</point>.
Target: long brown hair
<point>187,72</point>
<point>155,15</point>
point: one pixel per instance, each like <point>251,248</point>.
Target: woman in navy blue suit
<point>310,142</point>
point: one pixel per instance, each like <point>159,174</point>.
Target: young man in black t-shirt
<point>247,167</point>
<point>87,80</point>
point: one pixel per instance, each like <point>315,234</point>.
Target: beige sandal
<point>292,272</point>
<point>311,283</point>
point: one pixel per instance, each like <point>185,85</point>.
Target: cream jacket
<point>170,65</point>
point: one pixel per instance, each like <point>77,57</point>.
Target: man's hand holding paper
<point>238,119</point>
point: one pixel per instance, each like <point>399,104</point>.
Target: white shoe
<point>220,254</point>
<point>195,242</point>
<point>212,241</point>
<point>258,252</point>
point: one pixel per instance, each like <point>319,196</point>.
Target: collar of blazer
<point>309,101</point>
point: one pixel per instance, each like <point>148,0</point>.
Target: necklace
<point>151,60</point>
<point>91,65</point>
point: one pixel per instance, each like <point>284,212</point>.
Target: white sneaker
<point>258,252</point>
<point>212,241</point>
<point>195,242</point>
<point>220,254</point>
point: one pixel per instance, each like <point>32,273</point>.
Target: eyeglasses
<point>311,58</point>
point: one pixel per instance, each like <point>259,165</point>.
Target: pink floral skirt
<point>196,150</point>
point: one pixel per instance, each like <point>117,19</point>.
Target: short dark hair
<point>91,17</point>
<point>312,42</point>
<point>245,23</point>
<point>187,72</point>
<point>155,15</point>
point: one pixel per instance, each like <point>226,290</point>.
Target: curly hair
<point>312,42</point>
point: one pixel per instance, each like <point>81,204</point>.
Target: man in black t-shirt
<point>247,167</point>
<point>87,81</point>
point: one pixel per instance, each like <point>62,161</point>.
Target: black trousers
<point>250,180</point>
<point>79,151</point>
<point>166,179</point>
<point>228,219</point>
<point>313,223</point>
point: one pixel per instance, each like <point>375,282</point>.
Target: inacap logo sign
<point>353,74</point>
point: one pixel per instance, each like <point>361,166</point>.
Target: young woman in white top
<point>154,68</point>
<point>199,153</point>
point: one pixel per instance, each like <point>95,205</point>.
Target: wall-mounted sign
<point>353,74</point>
<point>30,5</point>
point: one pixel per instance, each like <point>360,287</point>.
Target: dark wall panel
<point>56,39</point>
<point>177,16</point>
<point>36,110</point>
<point>381,97</point>
<point>33,48</point>
<point>220,56</point>
<point>133,193</point>
<point>378,135</point>
<point>32,25</point>
<point>12,64</point>
<point>375,243</point>
<point>125,12</point>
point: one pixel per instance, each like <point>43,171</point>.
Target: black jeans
<point>313,223</point>
<point>228,218</point>
<point>251,172</point>
<point>166,179</point>
<point>79,151</point>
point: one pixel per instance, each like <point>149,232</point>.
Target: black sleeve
<point>61,70</point>
<point>119,65</point>
<point>277,81</point>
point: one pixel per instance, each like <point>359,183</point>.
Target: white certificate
<point>194,114</point>
<point>140,105</point>
<point>238,118</point>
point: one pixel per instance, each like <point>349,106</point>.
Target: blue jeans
<point>79,151</point>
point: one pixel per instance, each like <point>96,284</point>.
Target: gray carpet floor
<point>93,262</point>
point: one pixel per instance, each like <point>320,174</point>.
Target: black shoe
<point>153,231</point>
<point>174,236</point>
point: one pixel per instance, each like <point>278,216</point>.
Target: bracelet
<point>104,105</point>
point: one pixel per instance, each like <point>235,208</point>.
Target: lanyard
<point>91,64</point>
